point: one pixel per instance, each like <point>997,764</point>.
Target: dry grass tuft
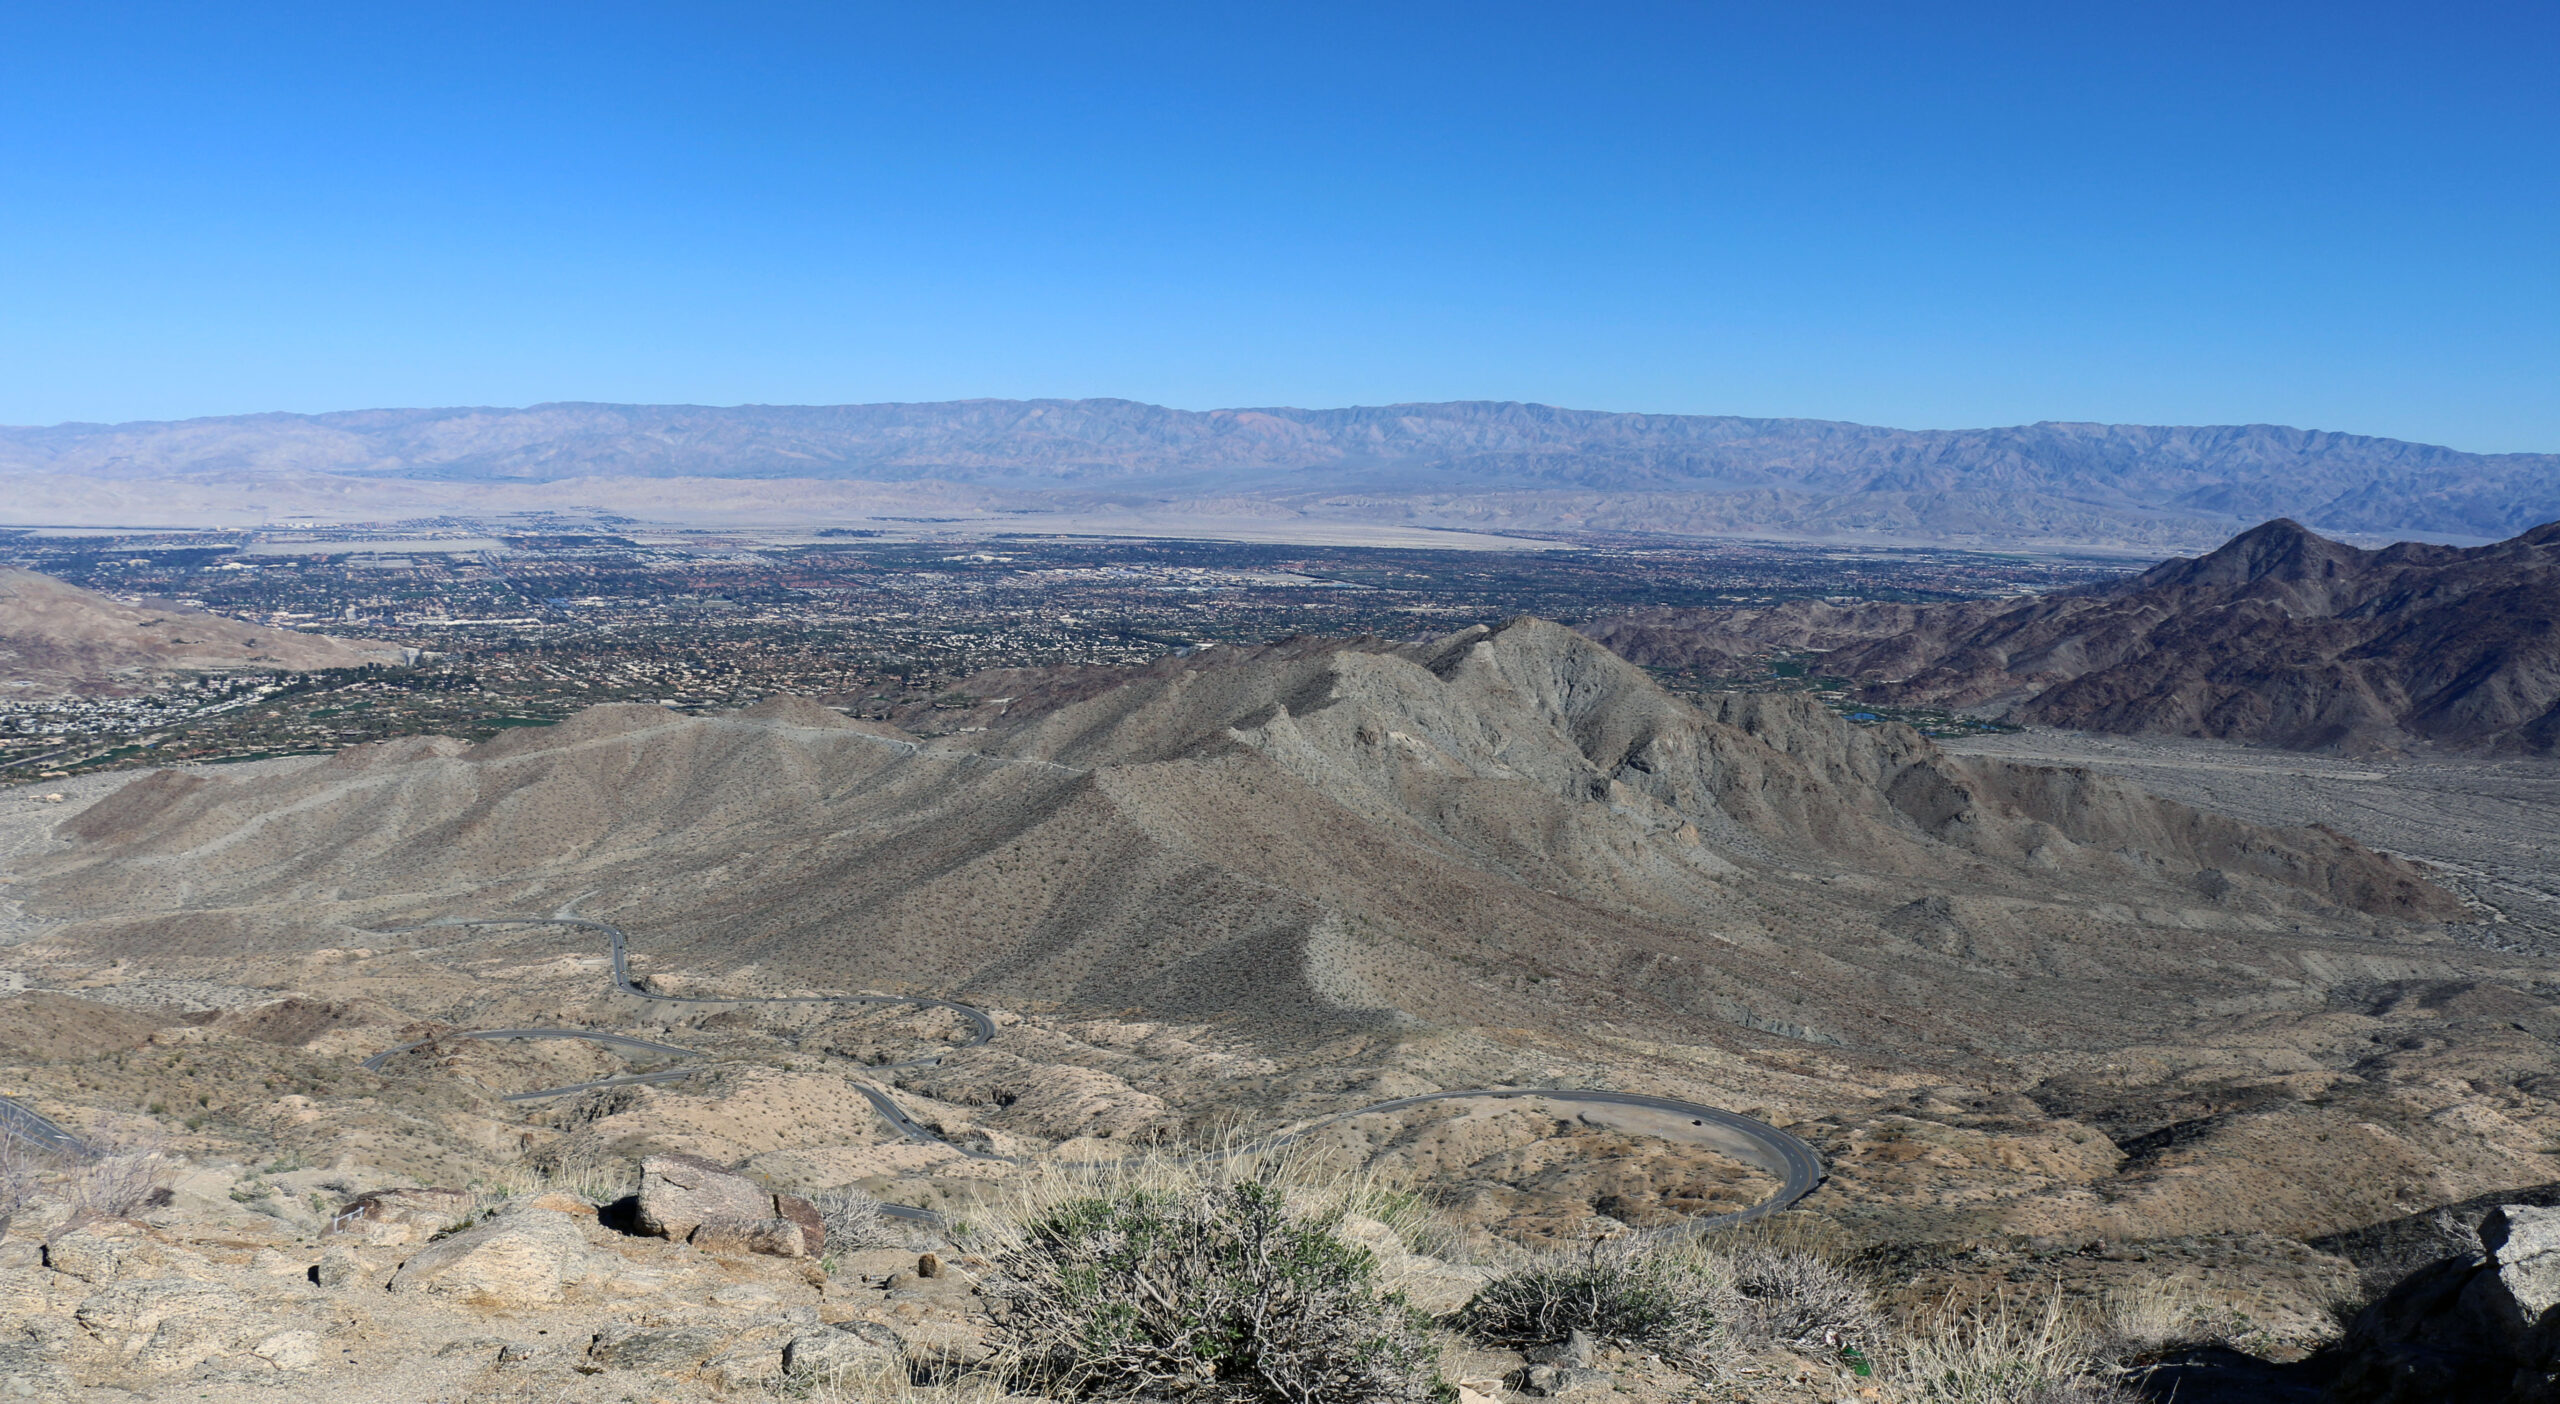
<point>2003,1352</point>
<point>1678,1302</point>
<point>1691,1303</point>
<point>854,1221</point>
<point>597,1180</point>
<point>1803,1302</point>
<point>891,1384</point>
<point>2167,1312</point>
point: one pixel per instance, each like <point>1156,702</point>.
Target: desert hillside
<point>1512,828</point>
<point>2280,638</point>
<point>2037,1025</point>
<point>60,640</point>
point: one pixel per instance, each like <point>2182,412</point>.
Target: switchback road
<point>1798,1168</point>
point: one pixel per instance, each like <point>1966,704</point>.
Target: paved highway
<point>1798,1168</point>
<point>19,1119</point>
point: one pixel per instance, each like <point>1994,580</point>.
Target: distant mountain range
<point>2280,638</point>
<point>1475,465</point>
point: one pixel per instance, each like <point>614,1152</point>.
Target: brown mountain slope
<point>2280,637</point>
<point>2001,1000</point>
<point>1509,829</point>
<point>57,639</point>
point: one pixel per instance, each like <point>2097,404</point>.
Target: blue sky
<point>2344,216</point>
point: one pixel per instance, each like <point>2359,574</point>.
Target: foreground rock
<point>519,1259</point>
<point>2477,1326</point>
<point>690,1199</point>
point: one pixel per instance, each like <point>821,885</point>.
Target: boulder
<point>778,1238</point>
<point>2474,1326</point>
<point>289,1350</point>
<point>559,1203</point>
<point>163,1325</point>
<point>95,1250</point>
<point>657,1349</point>
<point>854,1349</point>
<point>813,1225</point>
<point>517,1259</point>
<point>336,1268</point>
<point>1575,1349</point>
<point>424,1208</point>
<point>679,1193</point>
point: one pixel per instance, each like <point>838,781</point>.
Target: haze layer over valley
<point>1370,473</point>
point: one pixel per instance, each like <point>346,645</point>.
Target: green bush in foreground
<point>1674,1303</point>
<point>1215,1291</point>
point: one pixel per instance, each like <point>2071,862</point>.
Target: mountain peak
<point>2282,550</point>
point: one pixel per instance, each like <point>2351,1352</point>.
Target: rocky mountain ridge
<point>1307,835</point>
<point>2281,637</point>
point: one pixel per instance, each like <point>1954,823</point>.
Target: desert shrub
<point>125,1176</point>
<point>1803,1302</point>
<point>2158,1315</point>
<point>559,1170</point>
<point>1674,1301</point>
<point>853,1220</point>
<point>2003,1354</point>
<point>1225,1288</point>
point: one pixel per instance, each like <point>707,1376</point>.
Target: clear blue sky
<point>2338,215</point>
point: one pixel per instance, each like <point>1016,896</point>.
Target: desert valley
<point>753,1044</point>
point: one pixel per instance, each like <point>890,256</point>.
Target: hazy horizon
<point>1260,406</point>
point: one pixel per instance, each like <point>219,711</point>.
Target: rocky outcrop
<point>659,1350</point>
<point>518,1259</point>
<point>680,1193</point>
<point>425,1209</point>
<point>693,1200</point>
<point>778,1238</point>
<point>97,1250</point>
<point>2478,1326</point>
<point>2279,638</point>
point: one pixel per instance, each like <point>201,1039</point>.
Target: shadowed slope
<point>2280,637</point>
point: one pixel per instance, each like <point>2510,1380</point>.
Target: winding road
<point>1798,1169</point>
<point>26,1123</point>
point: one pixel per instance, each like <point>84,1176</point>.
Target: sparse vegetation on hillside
<point>853,1220</point>
<point>1676,1302</point>
<point>2004,1352</point>
<point>1233,1282</point>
